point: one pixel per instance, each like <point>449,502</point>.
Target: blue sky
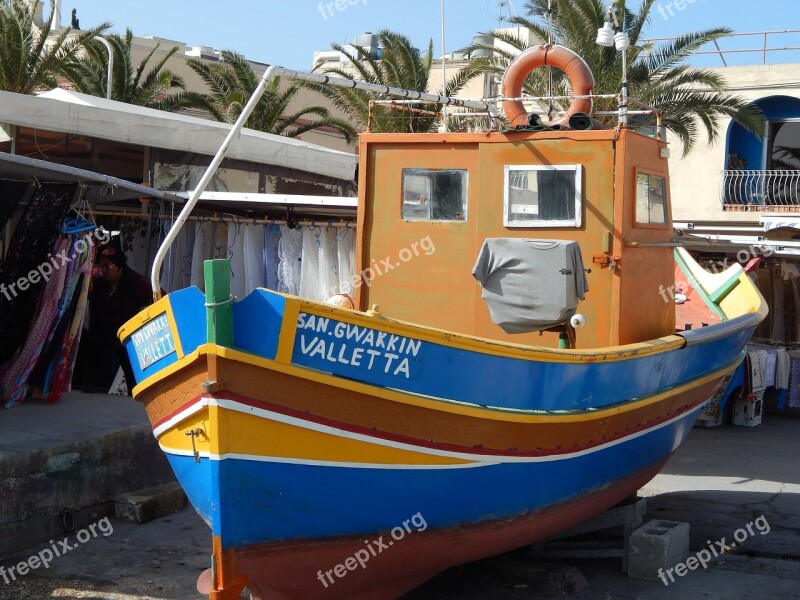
<point>287,32</point>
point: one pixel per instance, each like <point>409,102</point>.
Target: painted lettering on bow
<point>153,341</point>
<point>356,346</point>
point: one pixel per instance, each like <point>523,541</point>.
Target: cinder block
<point>150,503</point>
<point>657,545</point>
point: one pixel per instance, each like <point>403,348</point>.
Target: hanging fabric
<point>328,264</point>
<point>290,252</point>
<point>346,249</point>
<point>310,271</point>
<point>253,249</point>
<point>54,344</point>
<point>63,368</point>
<point>11,192</point>
<point>272,239</point>
<point>236,256</point>
<point>203,251</point>
<point>16,375</point>
<point>30,248</point>
<point>221,240</point>
<point>794,385</point>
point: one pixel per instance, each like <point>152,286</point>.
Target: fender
<point>576,69</point>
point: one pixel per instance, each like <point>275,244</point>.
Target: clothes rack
<point>244,221</point>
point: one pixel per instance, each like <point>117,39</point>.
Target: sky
<point>288,32</point>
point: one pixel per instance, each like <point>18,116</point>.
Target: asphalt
<point>719,481</point>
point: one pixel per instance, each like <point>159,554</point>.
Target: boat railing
<point>409,105</point>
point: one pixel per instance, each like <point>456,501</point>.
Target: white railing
<point>760,190</point>
<point>759,47</point>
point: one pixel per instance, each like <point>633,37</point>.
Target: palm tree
<point>657,75</point>
<point>231,83</point>
<point>28,62</point>
<point>400,65</point>
<point>89,75</point>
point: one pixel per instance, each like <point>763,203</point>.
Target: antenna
<point>501,4</point>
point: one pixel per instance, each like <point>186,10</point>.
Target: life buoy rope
<point>576,69</point>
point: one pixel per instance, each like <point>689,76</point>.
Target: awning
<point>100,188</point>
<point>771,223</point>
<point>70,112</point>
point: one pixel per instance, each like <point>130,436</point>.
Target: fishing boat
<point>510,366</point>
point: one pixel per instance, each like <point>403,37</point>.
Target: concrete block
<point>150,503</point>
<point>657,545</point>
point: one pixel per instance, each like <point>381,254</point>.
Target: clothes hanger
<point>82,218</point>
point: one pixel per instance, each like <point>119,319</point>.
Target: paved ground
<point>719,481</point>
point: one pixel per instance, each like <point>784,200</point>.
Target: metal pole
<point>623,104</point>
<point>105,43</point>
<point>444,75</point>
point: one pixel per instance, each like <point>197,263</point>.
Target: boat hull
<point>301,471</point>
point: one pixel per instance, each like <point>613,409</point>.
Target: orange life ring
<point>578,72</point>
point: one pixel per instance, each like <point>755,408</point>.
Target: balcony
<point>761,191</point>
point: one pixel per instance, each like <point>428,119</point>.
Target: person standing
<point>118,294</point>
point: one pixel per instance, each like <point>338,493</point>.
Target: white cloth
<point>236,256</point>
<point>290,250</point>
<point>203,251</point>
<point>253,257</point>
<point>346,249</point>
<point>758,359</point>
<point>272,239</point>
<point>770,365</point>
<point>328,264</point>
<point>309,271</point>
<point>782,369</point>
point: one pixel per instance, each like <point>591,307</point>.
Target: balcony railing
<point>777,191</point>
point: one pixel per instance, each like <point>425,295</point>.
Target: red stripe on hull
<point>295,571</point>
<point>696,398</point>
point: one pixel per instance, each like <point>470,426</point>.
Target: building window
<point>651,199</point>
<point>783,152</point>
<point>434,195</point>
<point>542,196</point>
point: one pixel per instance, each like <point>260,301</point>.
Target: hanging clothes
<point>63,369</point>
<point>11,193</point>
<point>41,375</point>
<point>310,272</point>
<point>16,375</point>
<point>221,240</point>
<point>272,239</point>
<point>203,250</point>
<point>328,264</point>
<point>346,250</point>
<point>782,369</point>
<point>290,252</point>
<point>253,257</point>
<point>794,386</point>
<point>30,248</point>
<point>236,256</point>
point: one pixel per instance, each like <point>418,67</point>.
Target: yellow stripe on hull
<point>257,435</point>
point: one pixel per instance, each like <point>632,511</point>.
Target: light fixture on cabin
<point>622,41</point>
<point>612,33</point>
<point>605,35</point>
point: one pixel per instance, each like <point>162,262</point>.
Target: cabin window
<point>434,195</point>
<point>651,199</point>
<point>542,196</point>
